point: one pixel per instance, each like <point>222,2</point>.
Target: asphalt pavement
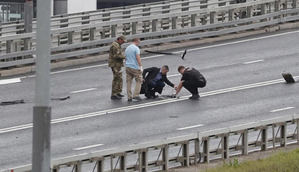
<point>244,84</point>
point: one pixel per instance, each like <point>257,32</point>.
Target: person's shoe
<point>137,98</point>
<point>130,100</point>
<point>154,96</point>
<point>194,97</point>
<point>115,97</point>
<point>120,95</point>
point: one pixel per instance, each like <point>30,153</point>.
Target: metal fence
<point>92,33</point>
<point>186,150</point>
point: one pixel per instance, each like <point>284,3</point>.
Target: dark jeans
<point>192,86</point>
<point>154,87</point>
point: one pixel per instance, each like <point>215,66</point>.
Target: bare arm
<point>138,59</point>
<point>179,87</point>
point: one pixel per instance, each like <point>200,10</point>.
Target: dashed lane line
<point>143,105</point>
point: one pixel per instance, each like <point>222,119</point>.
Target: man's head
<point>121,40</point>
<point>136,41</point>
<point>181,69</point>
<point>164,70</point>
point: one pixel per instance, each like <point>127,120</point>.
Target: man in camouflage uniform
<point>115,61</point>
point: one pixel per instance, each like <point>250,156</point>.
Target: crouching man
<point>191,79</point>
<point>155,79</point>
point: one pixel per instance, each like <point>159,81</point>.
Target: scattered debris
<point>5,103</point>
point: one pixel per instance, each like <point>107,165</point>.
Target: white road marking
<point>194,49</point>
<point>255,61</point>
<point>282,109</point>
<point>149,104</point>
<point>241,41</point>
<point>174,75</point>
<point>85,90</point>
<point>176,137</point>
<point>88,147</point>
<point>190,127</point>
<point>10,81</point>
<point>110,149</point>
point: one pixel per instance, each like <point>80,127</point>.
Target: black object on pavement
<point>168,53</point>
<point>288,78</point>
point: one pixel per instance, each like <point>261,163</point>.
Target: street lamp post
<point>41,150</point>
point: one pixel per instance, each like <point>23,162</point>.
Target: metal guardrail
<point>169,22</point>
<point>109,14</point>
<point>191,149</point>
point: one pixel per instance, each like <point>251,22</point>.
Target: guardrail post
<point>113,31</point>
<point>154,25</point>
<point>100,165</point>
<point>264,139</point>
<point>206,151</point>
<point>273,136</point>
<point>55,170</point>
<point>283,135</point>
<point>174,22</point>
<point>134,27</point>
<point>193,20</point>
<point>225,146</point>
<point>212,17</point>
<point>165,158</point>
<point>249,11</point>
<point>263,9</point>
<point>123,160</point>
<point>9,46</point>
<point>230,15</point>
<point>294,4</point>
<point>245,142</point>
<point>70,36</point>
<point>186,156</point>
<point>78,167</point>
<point>92,33</point>
<point>27,43</point>
<point>143,161</point>
<point>197,151</point>
<point>277,5</point>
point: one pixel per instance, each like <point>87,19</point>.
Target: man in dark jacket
<point>154,81</point>
<point>191,79</point>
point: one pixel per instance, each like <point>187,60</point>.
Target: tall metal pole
<point>41,151</point>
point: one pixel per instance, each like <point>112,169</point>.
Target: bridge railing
<point>183,151</point>
<point>117,13</point>
<point>176,24</point>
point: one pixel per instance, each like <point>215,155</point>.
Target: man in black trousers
<point>155,79</point>
<point>191,79</point>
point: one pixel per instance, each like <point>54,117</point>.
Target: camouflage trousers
<point>117,82</point>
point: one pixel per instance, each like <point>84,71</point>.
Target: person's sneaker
<point>194,97</point>
<point>137,98</point>
<point>120,95</point>
<point>114,97</point>
<point>129,100</point>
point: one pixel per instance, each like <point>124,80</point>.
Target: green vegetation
<point>281,162</point>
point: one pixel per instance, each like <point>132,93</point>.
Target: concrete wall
<point>75,6</point>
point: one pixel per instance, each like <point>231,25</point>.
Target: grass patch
<point>281,162</point>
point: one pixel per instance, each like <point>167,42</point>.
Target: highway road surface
<point>244,85</point>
